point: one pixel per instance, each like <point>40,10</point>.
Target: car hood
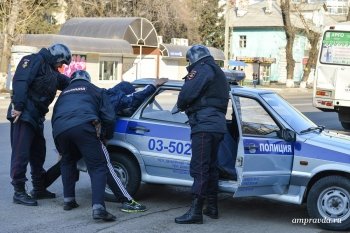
<point>326,146</point>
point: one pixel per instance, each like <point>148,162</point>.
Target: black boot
<point>194,214</point>
<point>211,209</point>
<point>40,192</point>
<point>21,197</point>
<point>103,214</point>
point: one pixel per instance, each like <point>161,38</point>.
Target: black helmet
<point>80,74</point>
<point>197,52</point>
<point>60,53</point>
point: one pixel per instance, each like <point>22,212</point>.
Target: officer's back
<point>79,103</point>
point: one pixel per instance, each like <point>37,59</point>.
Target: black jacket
<point>204,96</point>
<point>35,84</point>
<point>82,102</point>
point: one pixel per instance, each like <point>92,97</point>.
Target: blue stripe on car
<point>268,146</point>
<point>316,152</point>
<point>155,130</point>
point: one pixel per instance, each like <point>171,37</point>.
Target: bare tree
<point>348,16</point>
<point>22,17</point>
<point>313,37</point>
<point>9,12</point>
<point>290,36</point>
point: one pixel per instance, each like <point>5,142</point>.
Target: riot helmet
<point>80,75</point>
<point>197,52</point>
<point>60,53</point>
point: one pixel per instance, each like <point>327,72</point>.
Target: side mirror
<point>288,135</point>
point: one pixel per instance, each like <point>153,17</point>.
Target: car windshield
<point>295,119</point>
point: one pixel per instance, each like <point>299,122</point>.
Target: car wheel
<point>128,172</point>
<point>346,125</point>
<point>328,203</point>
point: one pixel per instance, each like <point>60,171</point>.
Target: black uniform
<point>34,88</point>
<point>204,98</point>
<point>77,107</point>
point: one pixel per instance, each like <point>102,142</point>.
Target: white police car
<point>271,150</point>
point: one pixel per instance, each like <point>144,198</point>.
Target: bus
<point>331,90</point>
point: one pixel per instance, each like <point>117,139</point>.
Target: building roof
<point>78,44</point>
<point>137,31</point>
<point>173,51</point>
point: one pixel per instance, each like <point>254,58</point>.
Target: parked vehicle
<point>332,82</point>
<point>271,150</point>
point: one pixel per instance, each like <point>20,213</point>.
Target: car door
<point>265,159</point>
<point>162,137</point>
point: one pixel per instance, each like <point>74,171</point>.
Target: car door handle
<point>251,146</point>
<point>139,128</point>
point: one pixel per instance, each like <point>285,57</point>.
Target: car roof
<point>148,81</point>
<point>178,83</point>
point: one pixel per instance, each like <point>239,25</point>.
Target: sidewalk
<point>4,95</point>
<point>282,88</point>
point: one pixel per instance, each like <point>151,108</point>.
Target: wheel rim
<point>334,203</point>
<point>122,174</point>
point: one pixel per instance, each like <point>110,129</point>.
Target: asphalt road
<point>164,202</point>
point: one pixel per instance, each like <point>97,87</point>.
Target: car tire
<point>128,172</point>
<point>346,125</point>
<point>329,198</point>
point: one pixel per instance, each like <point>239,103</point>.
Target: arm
<point>107,116</point>
<point>26,71</point>
<point>63,81</point>
<point>195,84</point>
<point>134,100</point>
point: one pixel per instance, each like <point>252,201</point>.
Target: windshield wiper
<point>320,128</point>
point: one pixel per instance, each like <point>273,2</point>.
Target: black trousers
<point>113,180</point>
<point>28,146</point>
<point>82,141</point>
<point>203,166</point>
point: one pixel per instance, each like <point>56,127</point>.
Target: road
<point>165,202</point>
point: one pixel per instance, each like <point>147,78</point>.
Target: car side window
<point>161,107</point>
<point>255,120</point>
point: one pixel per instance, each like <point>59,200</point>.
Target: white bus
<point>332,79</point>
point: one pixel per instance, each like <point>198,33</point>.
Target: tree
<point>313,37</point>
<point>9,14</point>
<point>211,26</point>
<point>25,16</point>
<point>290,36</point>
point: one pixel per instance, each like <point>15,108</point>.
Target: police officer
<point>34,87</point>
<point>204,98</point>
<point>76,109</point>
<point>125,100</point>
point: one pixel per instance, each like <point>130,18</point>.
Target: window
<point>242,41</point>
<point>265,72</point>
<point>335,48</point>
<point>255,121</point>
<point>108,70</point>
<point>162,106</point>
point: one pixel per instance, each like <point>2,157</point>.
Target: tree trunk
<point>290,36</point>
<point>313,53</point>
<point>9,35</point>
<point>348,16</point>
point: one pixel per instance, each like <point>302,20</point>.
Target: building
<point>258,38</point>
<point>115,49</point>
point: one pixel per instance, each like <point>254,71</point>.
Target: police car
<point>271,150</point>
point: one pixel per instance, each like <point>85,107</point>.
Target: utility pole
<point>227,32</point>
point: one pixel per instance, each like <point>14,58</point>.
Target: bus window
<point>335,48</point>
